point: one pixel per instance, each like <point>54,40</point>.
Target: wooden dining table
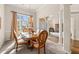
<point>32,37</point>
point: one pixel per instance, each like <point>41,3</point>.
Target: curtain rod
<point>22,13</point>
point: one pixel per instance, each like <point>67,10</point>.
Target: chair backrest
<point>42,37</point>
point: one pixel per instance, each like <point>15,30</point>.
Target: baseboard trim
<point>67,52</point>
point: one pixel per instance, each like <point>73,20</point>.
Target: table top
<point>27,36</point>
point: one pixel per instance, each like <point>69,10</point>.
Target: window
<point>24,21</point>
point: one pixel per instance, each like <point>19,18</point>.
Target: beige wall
<point>2,24</point>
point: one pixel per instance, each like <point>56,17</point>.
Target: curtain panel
<point>14,24</point>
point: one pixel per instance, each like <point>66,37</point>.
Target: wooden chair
<point>41,40</point>
<point>18,41</point>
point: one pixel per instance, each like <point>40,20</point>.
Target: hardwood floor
<point>75,47</point>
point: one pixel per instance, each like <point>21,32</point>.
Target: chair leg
<point>44,50</point>
<point>38,50</point>
<point>16,48</point>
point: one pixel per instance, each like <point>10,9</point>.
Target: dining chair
<point>18,41</point>
<point>41,40</point>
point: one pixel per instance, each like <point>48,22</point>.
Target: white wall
<point>8,18</point>
<point>75,26</point>
<point>48,10</point>
<point>75,21</point>
<point>53,21</point>
<point>2,25</point>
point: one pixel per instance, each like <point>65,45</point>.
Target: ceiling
<point>35,7</point>
<point>28,6</point>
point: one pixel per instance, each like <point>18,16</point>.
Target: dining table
<point>29,37</point>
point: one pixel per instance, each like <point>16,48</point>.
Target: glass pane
<point>23,22</point>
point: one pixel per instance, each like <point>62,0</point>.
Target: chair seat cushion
<point>20,41</point>
<point>36,45</point>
